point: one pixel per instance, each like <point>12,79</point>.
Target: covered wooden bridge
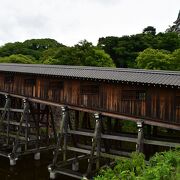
<point>81,110</point>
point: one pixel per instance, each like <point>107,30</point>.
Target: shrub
<point>162,166</point>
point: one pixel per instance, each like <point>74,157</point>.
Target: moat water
<point>28,169</point>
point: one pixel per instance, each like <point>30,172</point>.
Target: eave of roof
<point>156,77</point>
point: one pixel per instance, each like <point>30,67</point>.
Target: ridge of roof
<point>131,70</point>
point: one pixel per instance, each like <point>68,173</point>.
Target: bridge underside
<point>82,140</point>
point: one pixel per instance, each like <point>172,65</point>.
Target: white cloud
<point>69,21</point>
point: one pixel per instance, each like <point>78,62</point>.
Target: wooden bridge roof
<point>156,77</point>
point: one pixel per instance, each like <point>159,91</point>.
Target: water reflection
<point>27,169</point>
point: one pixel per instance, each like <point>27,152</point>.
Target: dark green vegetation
<point>159,59</point>
<point>125,51</point>
<point>145,50</point>
<point>49,51</point>
<point>164,166</point>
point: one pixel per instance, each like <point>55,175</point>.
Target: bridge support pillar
<point>12,159</point>
<point>62,134</point>
<point>52,175</point>
<point>140,139</point>
<point>96,145</point>
<point>75,166</point>
<point>37,156</point>
<point>66,119</point>
<point>12,162</point>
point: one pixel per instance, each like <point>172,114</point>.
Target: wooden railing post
<point>65,129</point>
<point>140,139</point>
<point>6,107</point>
<point>60,135</point>
<point>96,144</point>
<point>13,156</point>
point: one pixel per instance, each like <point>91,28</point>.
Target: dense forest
<point>49,51</point>
<point>145,50</point>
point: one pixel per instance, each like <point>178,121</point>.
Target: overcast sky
<point>70,21</point>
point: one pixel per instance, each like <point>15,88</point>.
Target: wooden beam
<point>65,135</point>
<point>16,123</point>
<point>119,137</point>
<point>161,143</point>
<point>60,135</point>
<point>98,139</point>
<point>71,160</point>
<point>53,123</point>
<point>8,120</point>
<point>103,150</point>
<point>113,115</point>
<point>81,133</point>
<point>70,173</point>
<point>12,109</point>
<point>6,108</point>
<point>26,109</point>
<point>95,145</point>
<point>36,124</point>
<point>80,150</point>
<point>103,113</point>
<point>105,155</point>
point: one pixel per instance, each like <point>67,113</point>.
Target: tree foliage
<point>175,62</point>
<point>83,54</point>
<point>165,166</point>
<point>149,30</point>
<point>153,59</point>
<point>159,59</point>
<point>49,51</point>
<point>17,58</point>
<point>41,44</point>
<point>145,50</point>
<point>124,50</point>
<point>33,47</point>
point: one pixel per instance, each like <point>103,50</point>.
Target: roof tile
<point>170,78</point>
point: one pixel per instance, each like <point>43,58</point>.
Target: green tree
<point>83,53</point>
<point>124,50</point>
<point>33,47</point>
<point>41,44</point>
<point>154,59</point>
<point>63,55</point>
<point>168,41</point>
<point>11,48</point>
<point>50,54</point>
<point>149,30</point>
<point>108,44</point>
<point>159,59</point>
<point>175,61</point>
<point>17,58</point>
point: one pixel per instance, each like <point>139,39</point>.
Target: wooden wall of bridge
<point>150,102</point>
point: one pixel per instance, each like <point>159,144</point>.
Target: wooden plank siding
<point>150,102</point>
